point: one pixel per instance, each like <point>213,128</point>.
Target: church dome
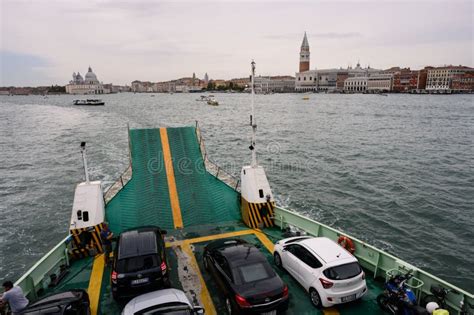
<point>91,77</point>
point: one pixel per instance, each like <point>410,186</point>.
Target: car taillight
<point>163,268</point>
<point>325,283</point>
<point>285,291</point>
<point>363,275</point>
<point>114,277</point>
<point>241,301</point>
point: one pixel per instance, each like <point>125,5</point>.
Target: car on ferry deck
<point>245,278</point>
<point>163,302</point>
<point>327,271</point>
<point>140,263</point>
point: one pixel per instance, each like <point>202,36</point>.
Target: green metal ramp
<point>145,199</point>
<point>203,198</point>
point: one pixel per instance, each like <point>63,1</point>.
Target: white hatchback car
<point>327,271</point>
<point>167,301</point>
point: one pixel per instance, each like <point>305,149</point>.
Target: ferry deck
<point>172,183</point>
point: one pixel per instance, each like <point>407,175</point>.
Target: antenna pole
<point>83,151</point>
<point>253,121</point>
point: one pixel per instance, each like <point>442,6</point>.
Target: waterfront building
<point>356,84</point>
<point>240,82</point>
<point>404,79</point>
<point>120,88</point>
<point>440,80</point>
<point>219,83</point>
<point>325,80</point>
<point>422,79</point>
<point>275,84</point>
<point>87,85</point>
<point>306,81</point>
<point>463,82</point>
<point>142,87</point>
<point>380,82</point>
<point>341,77</point>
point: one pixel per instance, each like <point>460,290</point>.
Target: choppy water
<point>396,171</point>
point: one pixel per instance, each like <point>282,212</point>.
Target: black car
<point>245,277</point>
<point>139,263</point>
<point>73,302</point>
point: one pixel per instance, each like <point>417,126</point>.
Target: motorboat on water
<point>90,102</point>
<point>203,98</point>
<point>212,102</point>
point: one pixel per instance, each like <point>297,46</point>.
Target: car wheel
<point>315,298</point>
<point>228,306</point>
<point>277,259</point>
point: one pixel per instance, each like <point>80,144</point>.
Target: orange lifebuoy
<point>346,243</point>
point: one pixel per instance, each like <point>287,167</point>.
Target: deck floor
<point>184,250</point>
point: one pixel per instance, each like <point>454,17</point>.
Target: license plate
<point>269,313</point>
<point>348,298</point>
<point>139,281</point>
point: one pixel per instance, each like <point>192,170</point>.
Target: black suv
<point>139,262</point>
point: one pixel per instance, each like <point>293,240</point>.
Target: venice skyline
<point>156,41</point>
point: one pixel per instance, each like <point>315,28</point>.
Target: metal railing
<point>214,169</point>
<point>37,277</point>
<point>113,190</point>
<point>124,178</point>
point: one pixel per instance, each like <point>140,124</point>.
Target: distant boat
<point>90,102</point>
<point>382,94</point>
<point>305,98</point>
<point>203,98</point>
<point>212,102</point>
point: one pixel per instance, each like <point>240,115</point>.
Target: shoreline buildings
<point>87,85</point>
<point>327,80</point>
<point>447,79</point>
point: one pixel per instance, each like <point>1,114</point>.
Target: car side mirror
<point>284,249</point>
<point>199,310</point>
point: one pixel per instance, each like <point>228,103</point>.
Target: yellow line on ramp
<point>330,311</point>
<point>175,208</point>
<point>95,283</point>
<point>205,296</point>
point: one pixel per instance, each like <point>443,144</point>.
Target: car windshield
<point>253,272</point>
<point>138,263</point>
<point>342,272</point>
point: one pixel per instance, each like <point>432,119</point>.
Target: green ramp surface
<point>145,198</point>
<point>203,198</point>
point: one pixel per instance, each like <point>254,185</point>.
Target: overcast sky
<point>43,42</point>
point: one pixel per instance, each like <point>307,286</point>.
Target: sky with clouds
<point>43,42</point>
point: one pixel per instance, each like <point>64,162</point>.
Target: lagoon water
<point>396,171</point>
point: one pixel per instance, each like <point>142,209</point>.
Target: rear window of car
<point>342,272</point>
<point>138,263</point>
<point>253,272</point>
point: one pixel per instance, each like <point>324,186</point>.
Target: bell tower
<point>304,54</point>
